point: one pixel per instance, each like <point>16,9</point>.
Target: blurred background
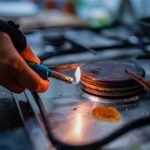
<point>98,13</point>
<point>110,23</point>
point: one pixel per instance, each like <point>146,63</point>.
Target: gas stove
<point>75,118</point>
<point>106,109</point>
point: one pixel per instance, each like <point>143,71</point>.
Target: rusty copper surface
<point>108,78</point>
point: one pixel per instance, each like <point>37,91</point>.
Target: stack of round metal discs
<point>108,78</point>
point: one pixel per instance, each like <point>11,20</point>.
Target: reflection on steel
<point>78,125</point>
<point>104,100</point>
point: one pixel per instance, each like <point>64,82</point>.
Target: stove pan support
<point>35,132</point>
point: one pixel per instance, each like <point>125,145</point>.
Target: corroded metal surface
<point>110,71</point>
<point>108,78</point>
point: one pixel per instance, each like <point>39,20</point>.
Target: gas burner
<point>108,79</point>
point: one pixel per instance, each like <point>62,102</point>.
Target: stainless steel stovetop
<point>69,110</point>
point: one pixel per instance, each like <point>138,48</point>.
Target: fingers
<point>28,55</point>
<point>31,80</point>
<point>17,80</point>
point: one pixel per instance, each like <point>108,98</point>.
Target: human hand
<point>15,74</point>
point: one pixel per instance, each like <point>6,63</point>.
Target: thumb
<point>28,55</point>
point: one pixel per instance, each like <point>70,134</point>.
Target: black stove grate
<point>64,41</point>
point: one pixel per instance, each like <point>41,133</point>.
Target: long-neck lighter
<point>20,43</point>
<point>44,72</point>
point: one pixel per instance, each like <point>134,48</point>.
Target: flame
<point>78,75</point>
<point>78,125</point>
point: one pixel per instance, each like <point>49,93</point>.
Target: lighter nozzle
<point>61,77</point>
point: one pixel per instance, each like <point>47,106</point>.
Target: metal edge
<point>35,132</point>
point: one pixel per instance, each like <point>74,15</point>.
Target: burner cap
<point>108,78</point>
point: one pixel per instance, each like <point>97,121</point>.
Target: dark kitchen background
<point>72,31</point>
